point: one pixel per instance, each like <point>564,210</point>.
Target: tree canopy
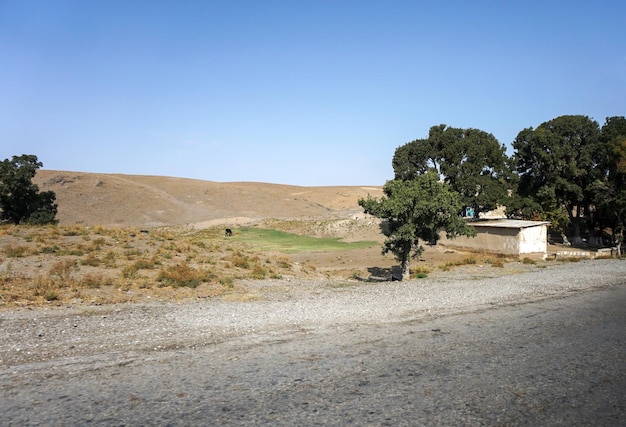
<point>472,161</point>
<point>20,199</point>
<point>557,163</point>
<point>416,209</point>
<point>609,191</point>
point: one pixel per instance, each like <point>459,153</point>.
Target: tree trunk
<point>406,274</point>
<point>594,239</point>
<point>577,239</point>
<point>565,241</point>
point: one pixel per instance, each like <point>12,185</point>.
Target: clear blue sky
<point>294,92</point>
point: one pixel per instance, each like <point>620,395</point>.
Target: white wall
<point>533,240</point>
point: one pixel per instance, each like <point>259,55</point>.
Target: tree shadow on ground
<point>380,274</point>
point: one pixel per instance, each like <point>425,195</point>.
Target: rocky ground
<point>86,356</point>
<point>272,307</point>
<point>482,343</point>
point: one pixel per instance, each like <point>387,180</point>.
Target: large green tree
<point>472,161</point>
<point>20,199</point>
<point>558,163</point>
<point>416,209</point>
<point>609,191</point>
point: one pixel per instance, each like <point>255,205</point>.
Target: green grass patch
<point>281,241</point>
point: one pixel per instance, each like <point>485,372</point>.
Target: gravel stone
<point>321,352</point>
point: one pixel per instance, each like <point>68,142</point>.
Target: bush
<point>62,271</point>
<point>258,272</point>
<point>13,251</point>
<point>181,275</point>
<point>239,260</point>
<point>95,280</point>
<point>51,296</point>
<point>91,260</point>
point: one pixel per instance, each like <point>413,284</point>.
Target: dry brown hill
<point>148,201</point>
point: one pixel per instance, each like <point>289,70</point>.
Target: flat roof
<point>507,223</point>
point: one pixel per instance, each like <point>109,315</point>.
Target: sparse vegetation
<point>465,261</point>
<point>421,272</point>
<point>15,251</point>
<point>72,261</point>
<point>58,264</point>
<point>182,275</point>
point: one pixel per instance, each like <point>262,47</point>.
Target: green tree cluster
<point>471,161</point>
<point>610,191</point>
<point>568,171</point>
<point>20,199</point>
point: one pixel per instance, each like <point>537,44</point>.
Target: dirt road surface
<point>547,358</point>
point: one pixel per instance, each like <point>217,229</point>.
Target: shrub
<point>145,264</point>
<point>50,249</point>
<point>14,251</point>
<point>283,263</point>
<point>258,272</point>
<point>62,270</point>
<point>464,261</point>
<point>77,251</point>
<point>420,272</point>
<point>45,288</point>
<point>109,259</point>
<point>227,281</point>
<point>93,280</point>
<point>181,275</point>
<point>73,231</point>
<point>239,260</point>
<point>91,260</point>
<point>130,271</point>
<point>51,296</point>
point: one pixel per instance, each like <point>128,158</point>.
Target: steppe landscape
<point>128,238</point>
<point>137,309</point>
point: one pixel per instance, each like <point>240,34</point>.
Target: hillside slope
<point>147,201</point>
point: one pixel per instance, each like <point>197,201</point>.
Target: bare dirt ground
<point>139,201</point>
<point>149,201</point>
<point>534,347</point>
<point>479,344</point>
<point>113,223</point>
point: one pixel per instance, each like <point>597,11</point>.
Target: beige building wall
<point>507,237</point>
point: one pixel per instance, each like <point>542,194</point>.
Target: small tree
<point>20,199</point>
<point>416,209</point>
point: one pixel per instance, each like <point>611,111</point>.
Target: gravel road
<point>476,346</point>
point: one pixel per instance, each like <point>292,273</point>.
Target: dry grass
<point>100,254</point>
<point>47,265</point>
<point>481,258</point>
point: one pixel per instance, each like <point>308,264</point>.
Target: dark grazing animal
<point>228,232</point>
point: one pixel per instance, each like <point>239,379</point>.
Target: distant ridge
<point>148,201</point>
